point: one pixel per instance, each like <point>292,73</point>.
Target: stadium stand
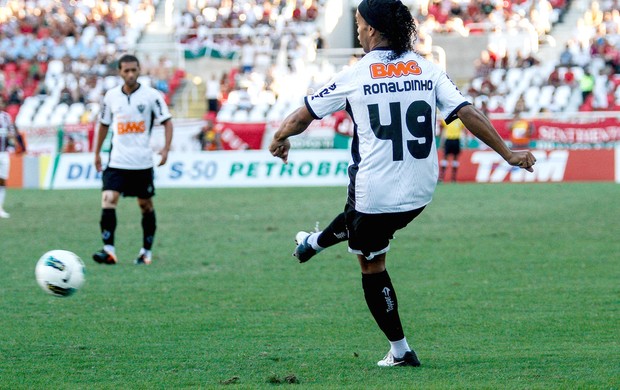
<point>554,85</point>
<point>505,75</point>
<point>57,60</point>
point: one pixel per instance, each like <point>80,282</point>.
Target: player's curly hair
<point>401,32</point>
<point>394,21</point>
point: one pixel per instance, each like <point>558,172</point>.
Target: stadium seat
<point>55,68</point>
<point>225,114</point>
<point>578,72</point>
<point>145,80</point>
<point>94,108</point>
<point>77,108</point>
<point>257,114</point>
<point>110,82</point>
<point>531,96</point>
<point>41,119</point>
<point>56,118</point>
<point>546,96</point>
<point>240,116</point>
<point>496,76</point>
<point>496,103</point>
<point>273,114</point>
<point>24,119</point>
<point>513,75</point>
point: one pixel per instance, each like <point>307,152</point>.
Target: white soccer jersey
<point>393,105</point>
<point>131,119</point>
<point>6,129</point>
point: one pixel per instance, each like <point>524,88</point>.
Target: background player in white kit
<point>8,135</point>
<point>392,95</point>
<point>130,109</point>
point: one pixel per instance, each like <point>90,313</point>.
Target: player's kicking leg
<point>309,244</point>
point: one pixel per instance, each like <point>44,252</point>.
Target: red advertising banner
<point>241,136</point>
<point>551,166</point>
<point>590,130</point>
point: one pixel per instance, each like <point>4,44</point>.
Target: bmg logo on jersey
<point>381,71</point>
<point>131,127</point>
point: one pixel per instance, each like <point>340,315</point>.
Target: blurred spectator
<point>554,78</point>
<point>161,74</point>
<point>70,146</point>
<point>15,96</point>
<point>600,90</point>
<point>66,96</point>
<point>520,106</point>
<point>209,137</point>
<point>213,93</point>
<point>586,85</point>
<point>566,57</point>
<point>521,131</point>
<point>484,64</point>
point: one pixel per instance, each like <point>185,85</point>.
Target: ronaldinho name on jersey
<point>398,86</point>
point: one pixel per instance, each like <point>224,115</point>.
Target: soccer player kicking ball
<point>130,110</point>
<point>392,94</point>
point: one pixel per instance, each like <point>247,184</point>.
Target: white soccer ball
<point>60,273</point>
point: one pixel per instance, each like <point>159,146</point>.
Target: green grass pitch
<point>500,286</point>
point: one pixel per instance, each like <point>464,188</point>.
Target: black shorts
<point>129,182</point>
<point>452,146</point>
<point>370,234</point>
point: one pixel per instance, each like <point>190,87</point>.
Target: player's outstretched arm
<point>481,127</point>
<point>294,124</point>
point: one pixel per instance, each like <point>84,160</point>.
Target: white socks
<point>313,241</point>
<point>145,252</point>
<point>399,348</point>
<point>2,196</point>
<point>109,249</point>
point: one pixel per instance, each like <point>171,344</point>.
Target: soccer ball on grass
<point>60,273</point>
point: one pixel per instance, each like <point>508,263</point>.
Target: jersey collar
<point>134,91</point>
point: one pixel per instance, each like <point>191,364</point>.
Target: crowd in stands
<point>585,77</point>
<point>273,41</point>
<point>57,59</point>
<point>277,45</point>
<point>275,73</point>
<point>476,16</point>
<point>236,25</point>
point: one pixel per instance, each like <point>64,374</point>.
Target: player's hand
<point>164,157</point>
<point>525,160</point>
<point>280,149</point>
<point>97,162</point>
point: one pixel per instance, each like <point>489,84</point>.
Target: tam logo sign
<point>550,166</point>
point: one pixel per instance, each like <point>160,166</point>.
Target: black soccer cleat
<point>142,259</point>
<point>409,359</point>
<point>103,257</point>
